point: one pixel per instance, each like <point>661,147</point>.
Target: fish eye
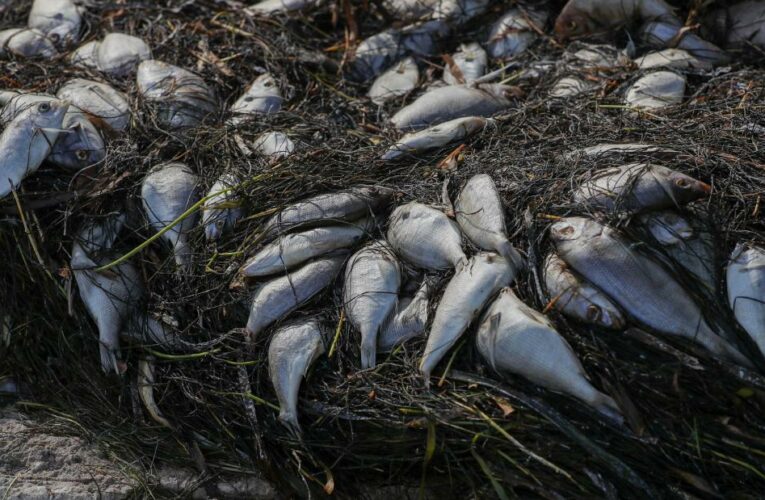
<point>54,37</point>
<point>682,183</point>
<point>43,107</point>
<point>572,25</point>
<point>249,98</point>
<point>81,154</point>
<point>593,312</point>
<point>566,231</point>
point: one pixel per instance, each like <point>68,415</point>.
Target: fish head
<point>79,145</point>
<point>48,113</point>
<point>574,22</point>
<point>600,311</point>
<point>574,228</point>
<point>684,188</point>
<point>669,228</point>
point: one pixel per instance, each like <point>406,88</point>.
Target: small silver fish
<point>274,145</point>
<point>424,38</point>
<point>86,55</point>
<point>435,137</point>
<point>222,209</point>
<point>79,143</point>
<point>98,99</point>
<point>655,91</point>
<point>671,58</point>
<point>408,320</point>
<point>513,32</point>
<point>662,35</point>
<point>397,81</point>
<point>27,141</point>
<point>25,42</point>
<point>274,300</point>
<point>639,186</point>
<point>292,351</point>
<point>291,250</point>
<point>470,61</point>
<point>376,53</point>
<point>478,210</point>
<point>271,7</point>
<point>447,103</point>
<point>167,192</point>
<point>261,97</point>
<point>60,20</point>
<point>370,292</point>
<point>515,338</point>
<point>118,54</point>
<point>746,290</point>
<point>425,237</point>
<point>577,298</point>
<point>467,293</point>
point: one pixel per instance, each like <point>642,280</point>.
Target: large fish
<point>292,351</point>
<point>408,320</point>
<point>329,209</point>
<point>585,17</point>
<point>26,42</point>
<point>118,54</point>
<point>291,250</point>
<point>467,293</point>
<point>60,20</point>
<point>656,90</point>
<point>638,284</point>
<point>435,137</point>
<point>222,207</point>
<point>261,97</point>
<point>478,210</point>
<point>639,186</point>
<point>577,298</point>
<point>370,293</point>
<point>425,237</point>
<point>746,290</point>
<point>450,102</point>
<point>397,81</point>
<point>26,142</point>
<point>512,337</point>
<point>168,191</point>
<point>274,300</point>
<point>470,63</point>
<point>99,99</point>
<point>514,32</point>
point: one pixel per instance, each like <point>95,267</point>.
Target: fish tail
<point>109,359</point>
<point>368,351</point>
<point>607,407</point>
<point>289,420</point>
<point>182,253</point>
<point>509,252</point>
<point>723,348</point>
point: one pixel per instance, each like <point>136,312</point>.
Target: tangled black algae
<point>693,426</point>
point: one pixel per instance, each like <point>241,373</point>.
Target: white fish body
<point>656,90</point>
<point>274,145</point>
<point>670,58</point>
<point>435,137</point>
<point>471,60</point>
<point>746,290</point>
<point>513,34</point>
<point>118,54</point>
<point>86,55</point>
<point>98,99</point>
<point>425,237</point>
<point>60,20</point>
<point>262,96</point>
<point>25,42</point>
<point>271,7</point>
<point>408,320</point>
<point>397,81</point>
<point>222,209</point>
<point>376,53</point>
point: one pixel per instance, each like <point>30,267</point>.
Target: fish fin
<point>109,359</point>
<point>493,332</point>
<point>290,421</point>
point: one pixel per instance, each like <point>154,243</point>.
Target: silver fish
<point>467,293</point>
<point>329,208</point>
<point>98,99</point>
<point>146,381</point>
<point>222,209</point>
<point>86,55</point>
<point>291,250</point>
<point>274,300</point>
<point>408,320</point>
<point>738,25</point>
<point>398,81</point>
<point>459,11</point>
<point>27,140</point>
<point>183,99</point>
<point>479,213</point>
<point>512,337</point>
<point>26,42</point>
<point>168,191</point>
<point>470,61</point>
<point>746,290</point>
<point>79,143</point>
<point>661,35</point>
<point>376,53</point>
<point>271,7</point>
<point>639,186</point>
<point>447,103</point>
<point>292,351</point>
<point>261,97</point>
<point>513,32</point>
<point>425,237</point>
<point>435,137</point>
<point>110,297</point>
<point>577,298</point>
<point>585,17</point>
<point>637,283</point>
<point>604,150</point>
<point>15,102</point>
<point>671,58</point>
<point>655,91</point>
<point>274,145</point>
<point>118,54</point>
<point>60,20</point>
<point>370,292</point>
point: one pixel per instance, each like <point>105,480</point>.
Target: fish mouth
<point>704,187</point>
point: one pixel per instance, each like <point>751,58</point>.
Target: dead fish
<point>478,210</point>
<point>183,99</point>
<point>261,97</point>
<point>577,298</point>
<point>514,32</point>
<point>435,137</point>
<point>671,58</point>
<point>656,90</point>
<point>409,318</point>
<point>24,42</point>
<point>222,209</point>
<point>424,38</point>
<point>512,337</point>
<point>370,293</point>
<point>458,11</point>
<point>329,208</point>
<point>274,300</point>
<point>376,53</point>
<point>292,351</point>
<point>603,151</point>
<point>146,382</point>
<point>167,192</point>
<point>470,63</point>
<point>469,290</point>
<point>271,7</point>
<point>98,99</point>
<point>637,283</point>
<point>454,101</point>
<point>291,250</point>
<point>118,54</point>
<point>274,145</point>
<point>79,143</point>
<point>639,186</point>
<point>15,102</point>
<point>425,237</point>
<point>111,296</point>
<point>398,81</point>
<point>671,35</point>
<point>585,17</point>
<point>86,55</point>
<point>27,140</point>
<point>595,56</point>
<point>738,25</point>
<point>572,86</point>
<point>60,20</point>
<point>746,290</point>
